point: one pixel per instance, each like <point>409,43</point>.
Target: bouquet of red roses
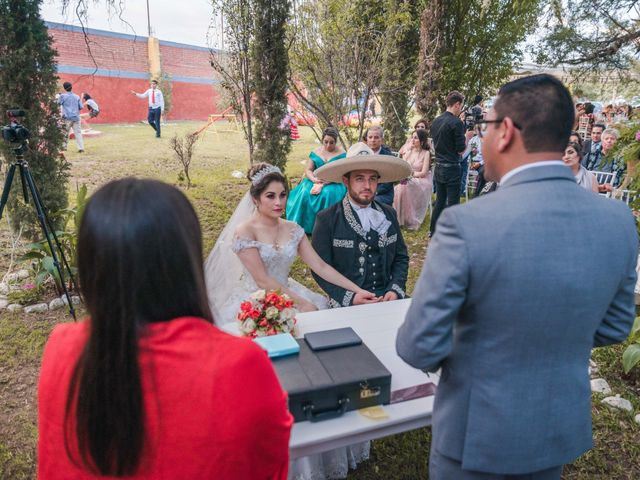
<point>266,313</point>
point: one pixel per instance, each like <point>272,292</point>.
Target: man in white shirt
<point>156,105</point>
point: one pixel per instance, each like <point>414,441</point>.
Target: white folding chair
<point>605,177</point>
<point>627,196</point>
<point>472,183</point>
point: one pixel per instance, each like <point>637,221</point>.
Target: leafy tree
<point>336,59</point>
<point>269,66</point>
<point>234,65</point>
<point>470,46</point>
<point>400,65</point>
<point>28,80</point>
<point>590,34</point>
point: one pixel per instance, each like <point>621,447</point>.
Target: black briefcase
<point>325,384</point>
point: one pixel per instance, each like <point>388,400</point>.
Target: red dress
<point>213,404</point>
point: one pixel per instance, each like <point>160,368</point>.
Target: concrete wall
<point>113,64</point>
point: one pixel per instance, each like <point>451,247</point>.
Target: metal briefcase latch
<point>367,392</point>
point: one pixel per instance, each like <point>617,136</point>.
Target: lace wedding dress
<point>229,284</point>
<point>277,262</point>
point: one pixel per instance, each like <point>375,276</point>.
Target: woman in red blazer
<point>148,388</point>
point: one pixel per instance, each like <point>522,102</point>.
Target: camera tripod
<point>29,186</point>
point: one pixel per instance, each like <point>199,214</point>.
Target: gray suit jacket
<point>518,286</point>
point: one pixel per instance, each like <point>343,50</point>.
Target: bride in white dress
<point>255,251</point>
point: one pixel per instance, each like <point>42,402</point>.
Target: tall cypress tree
<point>28,80</point>
<point>270,63</point>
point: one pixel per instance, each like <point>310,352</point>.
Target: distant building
<point>109,65</point>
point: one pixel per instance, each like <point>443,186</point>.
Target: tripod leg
<point>7,187</point>
<point>44,223</point>
<point>24,185</point>
<point>57,242</point>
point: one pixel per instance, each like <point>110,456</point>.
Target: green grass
<point>124,150</point>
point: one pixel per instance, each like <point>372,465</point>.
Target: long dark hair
<point>139,262</point>
<point>423,137</point>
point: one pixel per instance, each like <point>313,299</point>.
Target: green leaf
<point>635,330</point>
<point>631,357</point>
<point>50,268</point>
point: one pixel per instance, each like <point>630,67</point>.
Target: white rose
<point>287,314</point>
<point>261,333</point>
<point>271,313</point>
<point>289,326</point>
<point>248,326</point>
<point>258,295</point>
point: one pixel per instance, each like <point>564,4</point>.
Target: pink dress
<point>412,196</point>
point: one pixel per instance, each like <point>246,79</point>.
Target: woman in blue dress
<point>312,194</point>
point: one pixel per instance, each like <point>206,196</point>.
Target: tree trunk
<point>428,85</point>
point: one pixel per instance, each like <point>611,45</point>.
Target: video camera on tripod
<point>15,133</point>
<point>17,136</point>
<point>473,114</point>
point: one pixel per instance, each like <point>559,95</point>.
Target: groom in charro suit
<point>518,286</point>
<point>358,236</point>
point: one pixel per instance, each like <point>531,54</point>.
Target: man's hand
<point>390,296</point>
<point>605,188</point>
<point>469,135</point>
<point>364,297</point>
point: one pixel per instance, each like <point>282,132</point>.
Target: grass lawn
<point>124,150</point>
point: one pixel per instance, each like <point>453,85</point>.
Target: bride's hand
<point>362,297</point>
<point>306,307</point>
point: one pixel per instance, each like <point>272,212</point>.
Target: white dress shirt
<point>521,168</point>
<point>158,99</point>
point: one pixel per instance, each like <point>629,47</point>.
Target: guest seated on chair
<point>147,387</point>
<point>572,158</point>
<point>312,194</point>
<point>412,196</point>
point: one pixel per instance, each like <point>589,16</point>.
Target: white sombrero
<point>361,157</point>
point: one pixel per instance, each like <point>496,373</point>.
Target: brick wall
<point>113,64</point>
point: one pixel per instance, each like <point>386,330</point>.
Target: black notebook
<point>327,339</point>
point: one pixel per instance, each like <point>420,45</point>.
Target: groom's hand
<point>389,296</point>
<point>365,297</point>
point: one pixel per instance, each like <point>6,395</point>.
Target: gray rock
<point>37,308</point>
<point>3,303</point>
<point>619,403</point>
<point>4,288</point>
<point>56,303</point>
<point>14,307</point>
<point>74,299</point>
<point>637,419</point>
<point>19,275</point>
<point>600,385</point>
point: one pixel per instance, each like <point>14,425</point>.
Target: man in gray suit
<point>518,286</point>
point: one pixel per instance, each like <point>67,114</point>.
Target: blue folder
<point>278,345</point>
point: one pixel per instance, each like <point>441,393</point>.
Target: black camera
<point>472,116</point>
<point>15,133</point>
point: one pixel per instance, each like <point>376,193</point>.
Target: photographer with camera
<point>449,140</point>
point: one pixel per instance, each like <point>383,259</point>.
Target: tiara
<point>263,173</point>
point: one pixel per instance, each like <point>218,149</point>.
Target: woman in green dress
<point>312,194</point>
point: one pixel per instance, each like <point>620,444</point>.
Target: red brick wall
<point>117,59</point>
<point>108,52</point>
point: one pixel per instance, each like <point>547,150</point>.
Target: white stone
<point>37,308</point>
<point>619,403</point>
<point>600,385</point>
<point>56,303</point>
<point>592,364</point>
<point>637,419</point>
<point>3,303</point>
<point>19,275</point>
<point>74,299</point>
<point>14,307</point>
<point>4,288</point>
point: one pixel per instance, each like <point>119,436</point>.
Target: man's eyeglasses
<point>481,125</point>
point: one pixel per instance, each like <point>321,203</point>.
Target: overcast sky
<point>183,21</point>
